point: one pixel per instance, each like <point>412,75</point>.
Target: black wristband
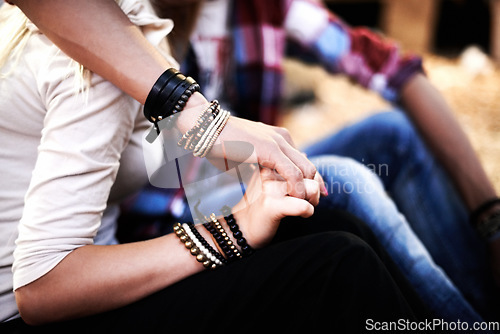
<point>152,100</point>
<point>169,95</point>
<point>490,227</point>
<point>482,208</point>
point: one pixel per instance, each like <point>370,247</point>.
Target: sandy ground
<point>470,85</point>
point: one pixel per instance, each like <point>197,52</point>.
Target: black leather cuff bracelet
<point>169,95</point>
<point>152,100</point>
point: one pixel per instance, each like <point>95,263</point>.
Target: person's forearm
<point>433,117</point>
<point>94,279</point>
<point>97,34</point>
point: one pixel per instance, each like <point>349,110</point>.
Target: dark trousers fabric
<point>325,273</point>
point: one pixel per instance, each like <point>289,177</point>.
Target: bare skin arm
<point>447,140</point>
<point>98,35</point>
<point>94,279</point>
<point>108,44</point>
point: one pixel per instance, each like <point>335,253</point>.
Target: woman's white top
<point>61,152</point>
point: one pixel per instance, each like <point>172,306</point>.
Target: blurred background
<point>460,44</point>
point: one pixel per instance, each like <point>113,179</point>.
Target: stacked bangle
<point>203,251</point>
<point>246,250</point>
<point>201,138</point>
<point>208,139</point>
<point>169,95</point>
<point>190,244</point>
<point>222,239</point>
<point>211,253</point>
<point>191,137</point>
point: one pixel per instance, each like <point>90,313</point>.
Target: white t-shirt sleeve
<point>78,157</point>
<point>83,137</point>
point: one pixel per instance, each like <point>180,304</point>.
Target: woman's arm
<point>433,117</point>
<point>93,279</point>
<point>97,34</point>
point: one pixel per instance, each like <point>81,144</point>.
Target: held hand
<point>272,146</point>
<point>266,202</point>
<point>274,149</point>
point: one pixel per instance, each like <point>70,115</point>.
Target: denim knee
<point>346,176</point>
<point>392,121</point>
<point>392,129</point>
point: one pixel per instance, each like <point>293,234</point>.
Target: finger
<point>268,174</point>
<point>312,191</point>
<point>299,159</point>
<point>289,171</point>
<point>291,206</point>
<point>285,134</point>
<point>322,184</point>
<point>273,184</point>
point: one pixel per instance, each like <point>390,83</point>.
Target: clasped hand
<point>267,201</point>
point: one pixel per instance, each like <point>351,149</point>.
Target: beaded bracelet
<point>203,121</point>
<point>208,250</point>
<point>222,239</point>
<point>202,136</point>
<point>246,250</point>
<point>208,139</point>
<point>194,250</point>
<point>179,96</point>
<point>206,148</point>
<point>206,122</point>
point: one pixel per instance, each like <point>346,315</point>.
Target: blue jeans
<point>423,224</point>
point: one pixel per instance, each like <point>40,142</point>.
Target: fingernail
<point>324,190</point>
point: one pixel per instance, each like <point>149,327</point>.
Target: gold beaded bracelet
<point>194,250</point>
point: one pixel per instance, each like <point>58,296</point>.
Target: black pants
<point>325,273</point>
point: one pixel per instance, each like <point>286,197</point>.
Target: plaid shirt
<point>262,27</point>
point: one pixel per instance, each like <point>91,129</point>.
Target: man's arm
<point>437,124</point>
<point>378,64</point>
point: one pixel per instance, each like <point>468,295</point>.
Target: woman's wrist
<point>194,107</point>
